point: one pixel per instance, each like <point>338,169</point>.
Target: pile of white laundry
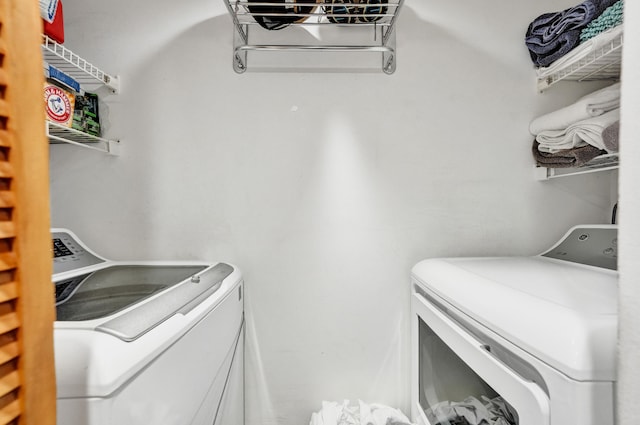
<point>333,413</point>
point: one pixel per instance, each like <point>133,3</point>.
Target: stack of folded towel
<point>553,35</point>
<point>575,134</point>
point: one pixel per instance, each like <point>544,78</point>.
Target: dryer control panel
<point>69,254</point>
<point>594,246</point>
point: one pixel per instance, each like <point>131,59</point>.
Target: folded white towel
<point>584,132</point>
<point>590,105</point>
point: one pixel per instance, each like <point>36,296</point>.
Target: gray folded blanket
<point>552,35</point>
<point>610,137</point>
<point>567,158</point>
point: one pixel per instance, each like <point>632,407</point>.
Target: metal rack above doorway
<point>375,19</point>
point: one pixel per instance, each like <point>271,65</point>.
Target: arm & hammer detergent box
<point>59,104</point>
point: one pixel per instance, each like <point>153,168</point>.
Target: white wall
<point>325,188</point>
<point>628,372</point>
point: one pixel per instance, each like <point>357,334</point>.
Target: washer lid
<point>563,313</point>
<point>170,289</point>
<point>112,289</point>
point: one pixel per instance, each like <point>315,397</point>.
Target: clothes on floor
<point>333,413</point>
<point>472,411</point>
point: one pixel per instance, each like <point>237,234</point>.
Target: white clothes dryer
<point>145,342</point>
<point>531,339</point>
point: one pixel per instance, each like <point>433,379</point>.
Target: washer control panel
<point>594,246</point>
<point>69,254</point>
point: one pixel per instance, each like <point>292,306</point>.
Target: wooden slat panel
<point>4,109</point>
<point>7,230</point>
<point>24,145</point>
<point>10,401</point>
<point>9,383</point>
<point>9,352</point>
<point>6,138</point>
<point>10,412</point>
<point>7,199</point>
<point>6,170</point>
<point>9,322</point>
<point>8,291</point>
<point>8,261</point>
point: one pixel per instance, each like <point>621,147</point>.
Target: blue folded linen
<point>552,35</point>
<point>545,54</point>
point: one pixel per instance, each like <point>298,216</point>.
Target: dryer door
<point>457,379</point>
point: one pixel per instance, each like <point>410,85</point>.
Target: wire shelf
<point>60,134</point>
<point>602,63</point>
<point>597,59</point>
<point>86,74</point>
<point>599,163</point>
<point>78,68</point>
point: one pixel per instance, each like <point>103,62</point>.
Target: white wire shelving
<point>88,75</point>
<point>600,61</point>
<point>250,37</point>
<point>600,163</point>
<point>84,72</point>
<point>60,134</point>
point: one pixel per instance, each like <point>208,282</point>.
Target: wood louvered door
<point>27,312</point>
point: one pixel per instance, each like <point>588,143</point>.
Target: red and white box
<point>59,104</point>
<point>52,19</point>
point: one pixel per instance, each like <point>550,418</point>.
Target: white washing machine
<point>531,338</point>
<point>141,343</point>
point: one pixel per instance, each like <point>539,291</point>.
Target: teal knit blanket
<point>611,17</point>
